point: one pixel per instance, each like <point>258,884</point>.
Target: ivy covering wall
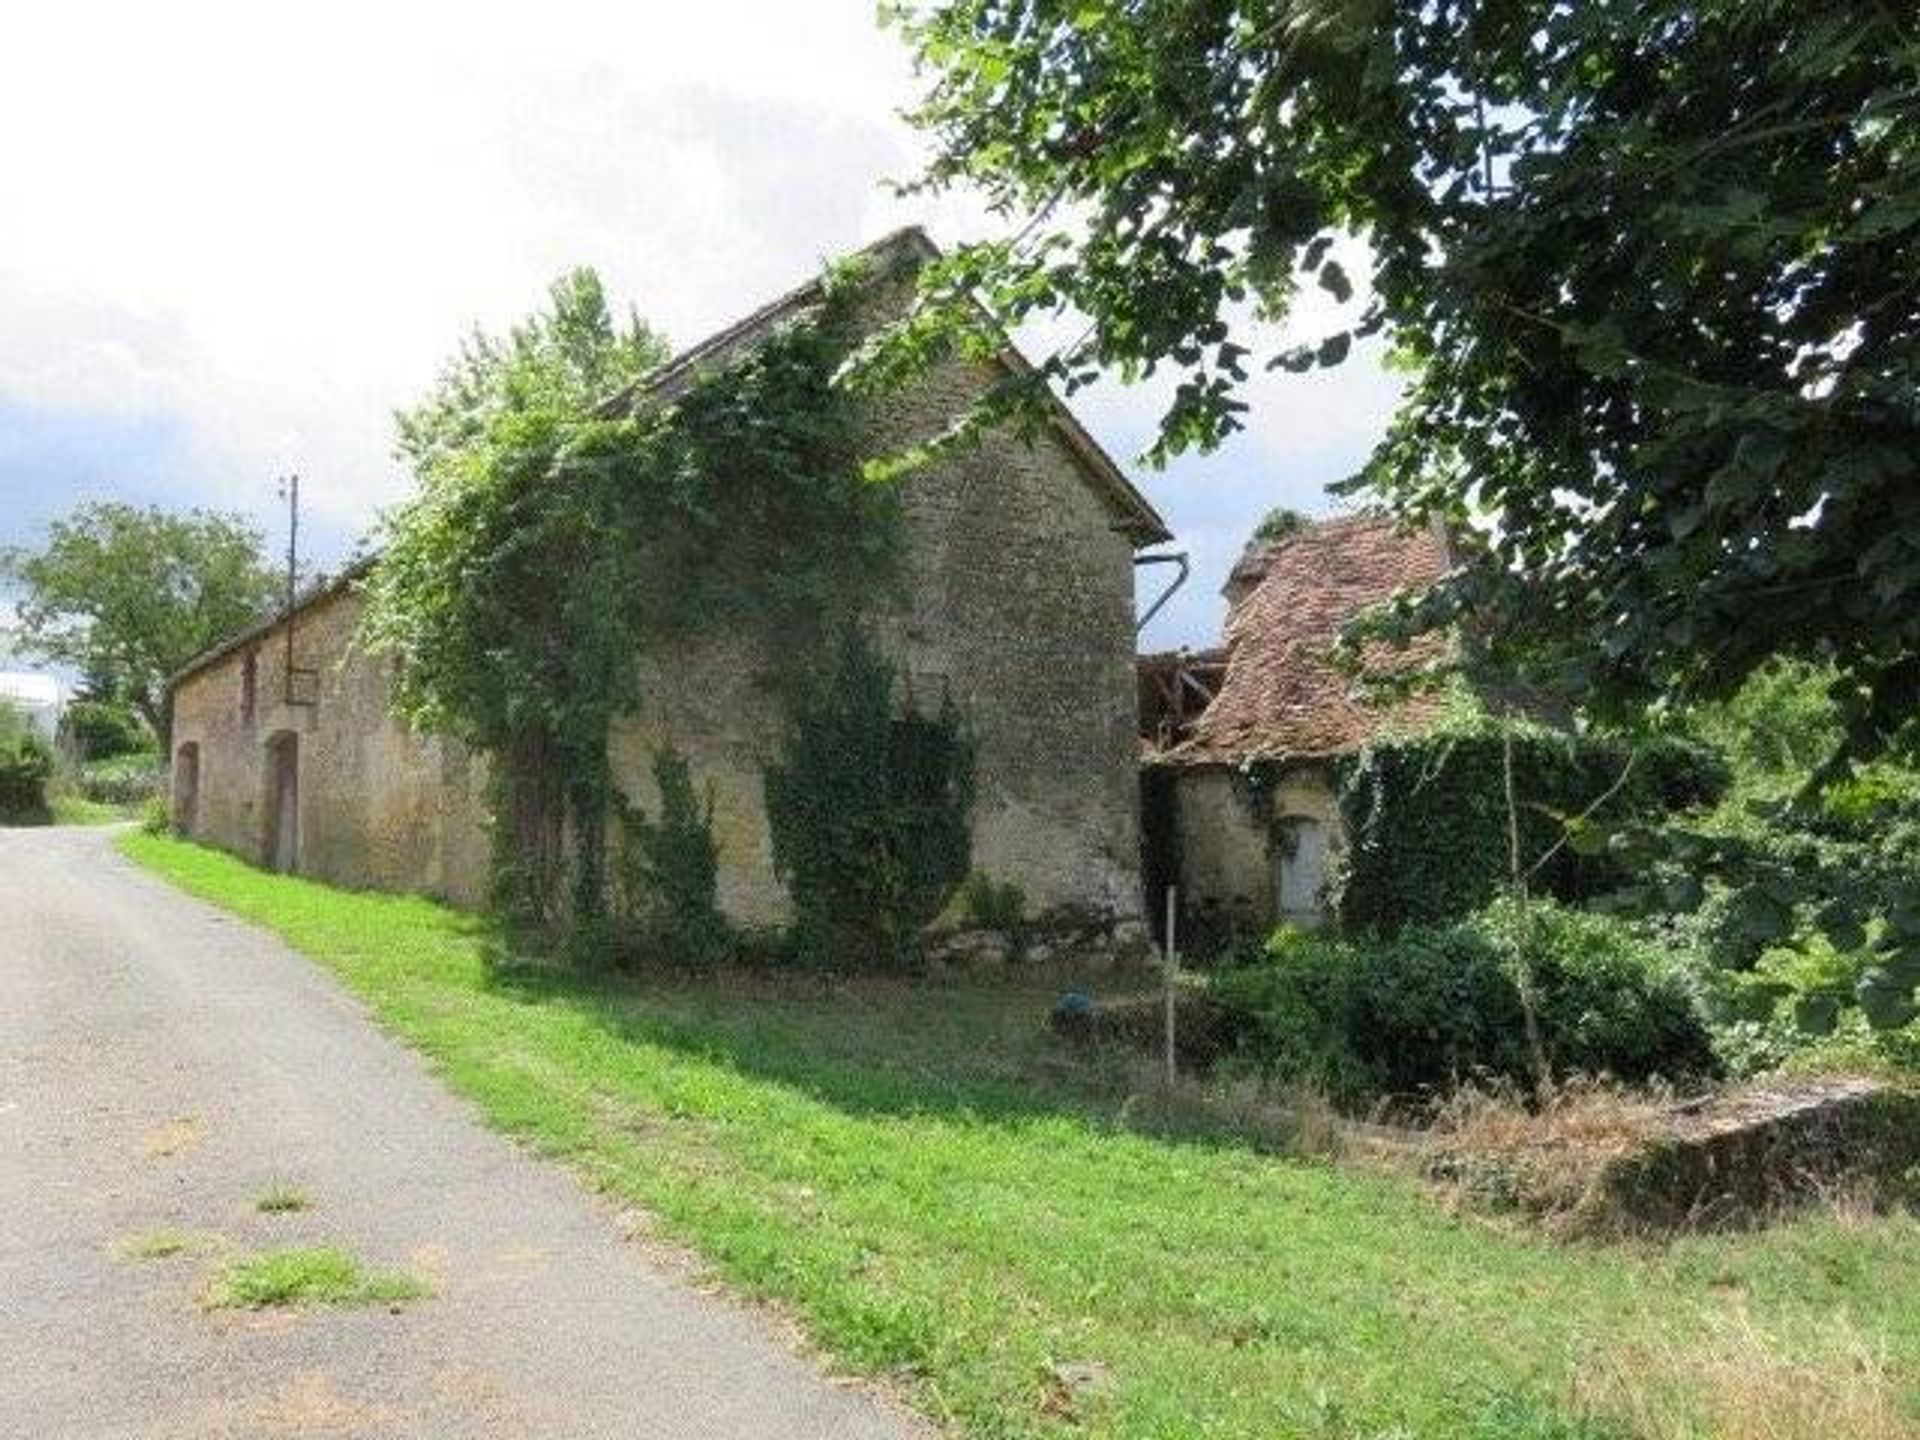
<point>1427,823</point>
<point>571,521</point>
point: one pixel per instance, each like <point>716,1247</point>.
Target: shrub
<point>129,779</point>
<point>156,816</point>
<point>26,764</point>
<point>1438,1003</point>
<point>991,904</point>
<point>102,729</point>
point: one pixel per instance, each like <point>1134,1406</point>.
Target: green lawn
<point>939,1197</point>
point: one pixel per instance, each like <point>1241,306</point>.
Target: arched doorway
<point>186,788</point>
<point>281,842</point>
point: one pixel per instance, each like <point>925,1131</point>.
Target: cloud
<point>238,236</point>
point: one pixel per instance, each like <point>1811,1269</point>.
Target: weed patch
<point>320,1276</point>
<point>282,1200</point>
<point>162,1244</point>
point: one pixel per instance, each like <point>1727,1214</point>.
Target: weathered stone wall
<point>1016,602</point>
<point>379,806</point>
<point>1228,863</point>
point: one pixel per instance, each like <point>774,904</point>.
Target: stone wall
<point>379,806</point>
<point>1016,602</point>
<point>1233,862</point>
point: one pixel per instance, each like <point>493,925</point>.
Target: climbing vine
<point>868,808</point>
<point>573,516</point>
<point>1426,816</point>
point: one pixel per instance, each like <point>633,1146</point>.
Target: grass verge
<point>918,1175</point>
<point>318,1276</point>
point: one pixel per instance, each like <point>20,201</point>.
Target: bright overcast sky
<point>234,237</point>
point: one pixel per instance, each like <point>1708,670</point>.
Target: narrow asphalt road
<point>162,1065</point>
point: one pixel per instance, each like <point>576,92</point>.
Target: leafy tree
<point>130,595</point>
<point>26,764</point>
<point>1654,266</point>
<point>102,729</point>
<point>495,587</point>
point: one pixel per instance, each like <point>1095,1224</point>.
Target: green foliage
<point>1426,816</point>
<point>868,808</point>
<point>26,765</point>
<point>1650,266</point>
<point>568,522</point>
<point>1280,523</point>
<point>156,816</point>
<point>1799,895</point>
<point>1440,1003</point>
<point>127,779</point>
<point>919,1177</point>
<point>991,904</point>
<point>131,595</point>
<point>104,729</point>
<point>321,1275</point>
<point>666,873</point>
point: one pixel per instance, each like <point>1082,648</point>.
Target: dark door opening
<point>186,788</point>
<point>282,848</point>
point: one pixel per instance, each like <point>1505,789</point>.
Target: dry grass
<point>1737,1382</point>
<point>1549,1158</point>
<point>1281,1120</point>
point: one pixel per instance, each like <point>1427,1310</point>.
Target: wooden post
<point>1171,966</point>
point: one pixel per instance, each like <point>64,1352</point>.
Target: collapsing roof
<point>1280,696</point>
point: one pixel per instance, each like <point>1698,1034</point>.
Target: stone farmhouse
<point>1018,605</point>
<point>1269,701</point>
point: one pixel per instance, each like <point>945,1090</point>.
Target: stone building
<point>1242,741</point>
<point>1018,605</point>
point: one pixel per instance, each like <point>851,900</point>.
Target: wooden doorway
<point>281,850</point>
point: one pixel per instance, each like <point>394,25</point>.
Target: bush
<point>156,816</point>
<point>103,729</point>
<point>1426,817</point>
<point>26,764</point>
<point>991,904</point>
<point>127,780</point>
<point>1439,1003</point>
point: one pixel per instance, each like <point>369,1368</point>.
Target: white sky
<point>234,237</point>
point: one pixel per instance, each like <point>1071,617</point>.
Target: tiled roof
<point>1282,696</point>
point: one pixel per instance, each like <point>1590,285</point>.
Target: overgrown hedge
<point>1426,817</point>
<point>1361,1017</point>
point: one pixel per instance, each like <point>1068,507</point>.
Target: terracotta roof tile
<point>1282,697</point>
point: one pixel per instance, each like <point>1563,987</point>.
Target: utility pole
<point>290,492</point>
